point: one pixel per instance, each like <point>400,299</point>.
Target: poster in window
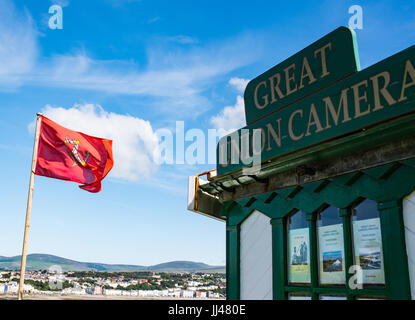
<point>331,247</point>
<point>299,271</point>
<point>368,250</point>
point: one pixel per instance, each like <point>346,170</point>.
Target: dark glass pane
<point>298,220</point>
<point>368,209</point>
<point>329,216</point>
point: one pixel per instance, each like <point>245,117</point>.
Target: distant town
<point>114,285</point>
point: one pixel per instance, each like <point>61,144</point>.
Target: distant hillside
<point>38,261</point>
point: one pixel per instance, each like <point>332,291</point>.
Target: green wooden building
<point>318,189</point>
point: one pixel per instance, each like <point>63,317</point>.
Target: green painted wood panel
<point>379,93</point>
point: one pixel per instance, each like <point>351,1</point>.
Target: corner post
<point>345,213</point>
<point>279,277</point>
<point>233,262</point>
<point>312,218</point>
<point>394,250</point>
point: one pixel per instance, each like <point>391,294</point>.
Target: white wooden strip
<point>256,257</point>
<point>409,213</point>
<point>408,206</point>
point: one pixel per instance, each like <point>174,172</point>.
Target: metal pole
<point>29,207</point>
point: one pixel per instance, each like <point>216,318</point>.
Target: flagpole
<point>29,207</point>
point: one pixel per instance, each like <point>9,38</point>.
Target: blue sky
<point>123,69</point>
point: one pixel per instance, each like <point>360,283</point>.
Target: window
<point>323,246</point>
<point>367,243</point>
<point>298,249</point>
<point>331,247</point>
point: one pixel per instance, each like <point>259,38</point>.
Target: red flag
<point>73,156</point>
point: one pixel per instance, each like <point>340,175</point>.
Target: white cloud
<point>171,72</point>
<point>18,45</point>
<point>175,79</point>
<point>182,39</point>
<point>239,83</point>
<point>134,141</point>
<point>231,118</point>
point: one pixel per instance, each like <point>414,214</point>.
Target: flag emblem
<point>75,153</point>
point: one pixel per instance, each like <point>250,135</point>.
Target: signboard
<point>327,60</point>
<point>380,92</point>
